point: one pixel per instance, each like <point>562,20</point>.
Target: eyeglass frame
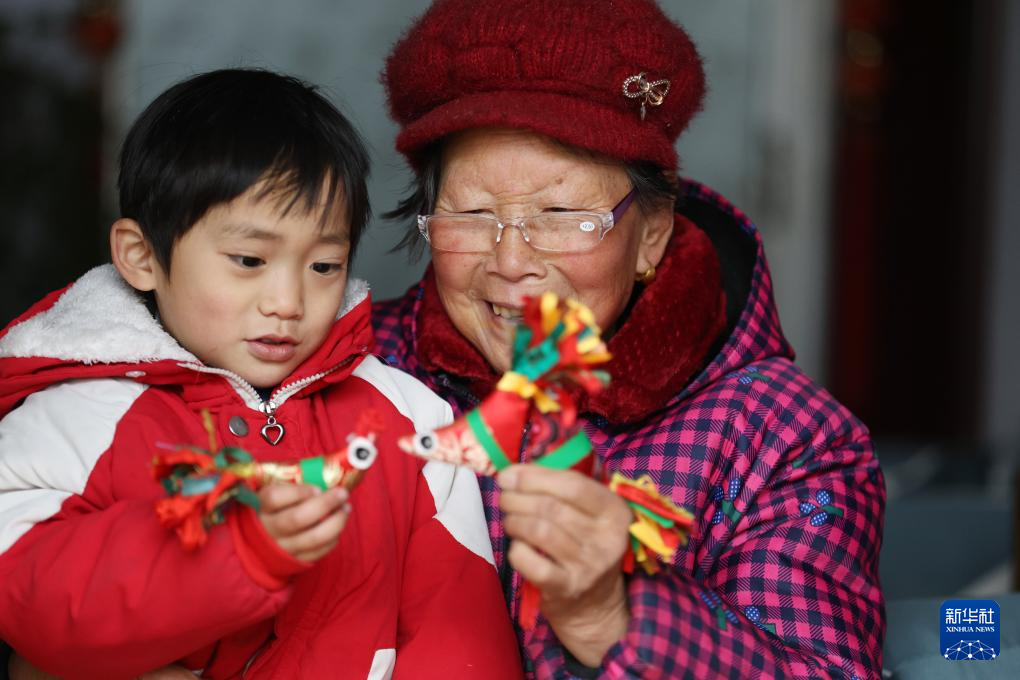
<point>608,220</point>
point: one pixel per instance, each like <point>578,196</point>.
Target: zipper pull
<point>272,431</point>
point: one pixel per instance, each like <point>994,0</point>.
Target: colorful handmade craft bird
<point>202,483</point>
<point>532,416</point>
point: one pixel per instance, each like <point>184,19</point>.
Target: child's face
<point>253,291</point>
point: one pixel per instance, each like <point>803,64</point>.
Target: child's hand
<point>303,520</point>
<point>22,670</point>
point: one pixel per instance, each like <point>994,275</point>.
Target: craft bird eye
<point>361,453</point>
<point>424,442</point>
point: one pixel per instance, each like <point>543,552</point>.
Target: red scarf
<point>656,350</point>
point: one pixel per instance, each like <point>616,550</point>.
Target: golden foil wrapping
<point>334,473</point>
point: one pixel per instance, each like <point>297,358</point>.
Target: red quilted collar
<point>660,346</point>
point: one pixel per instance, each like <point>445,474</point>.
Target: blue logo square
<point>970,630</point>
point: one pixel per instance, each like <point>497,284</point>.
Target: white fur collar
<point>101,319</point>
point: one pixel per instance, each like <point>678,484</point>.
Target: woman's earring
<point>647,277</point>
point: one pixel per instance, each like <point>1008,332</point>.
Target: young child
<point>243,198</point>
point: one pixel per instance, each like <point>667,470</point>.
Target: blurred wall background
<point>872,141</point>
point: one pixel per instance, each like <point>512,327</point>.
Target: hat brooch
<point>650,92</point>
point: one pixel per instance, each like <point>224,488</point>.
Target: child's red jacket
<point>92,586</point>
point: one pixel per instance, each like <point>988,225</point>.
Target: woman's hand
<point>570,534</point>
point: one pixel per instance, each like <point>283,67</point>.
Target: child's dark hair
<point>210,138</point>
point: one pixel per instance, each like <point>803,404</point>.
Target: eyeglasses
<point>556,232</point>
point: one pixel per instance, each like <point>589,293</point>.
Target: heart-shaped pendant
<point>272,431</point>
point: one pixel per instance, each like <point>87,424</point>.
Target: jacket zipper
<point>269,406</point>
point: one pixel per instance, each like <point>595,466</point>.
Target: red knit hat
<point>617,77</point>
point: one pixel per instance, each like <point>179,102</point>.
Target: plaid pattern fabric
<point>780,577</point>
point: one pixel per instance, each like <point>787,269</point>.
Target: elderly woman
<point>542,137</point>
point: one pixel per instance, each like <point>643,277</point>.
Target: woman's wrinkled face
<point>512,174</point>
